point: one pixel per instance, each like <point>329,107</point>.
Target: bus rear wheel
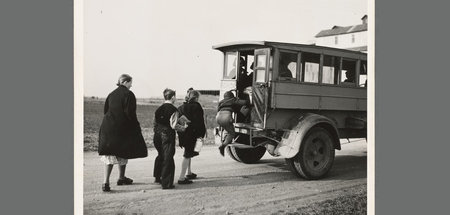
<point>249,155</point>
<point>316,155</point>
<point>230,153</point>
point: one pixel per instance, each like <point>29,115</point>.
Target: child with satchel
<point>196,129</point>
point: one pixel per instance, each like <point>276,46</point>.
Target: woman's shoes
<point>185,181</point>
<point>105,187</point>
<point>158,180</point>
<point>191,176</point>
<point>124,181</point>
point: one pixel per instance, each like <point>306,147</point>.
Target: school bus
<point>304,99</point>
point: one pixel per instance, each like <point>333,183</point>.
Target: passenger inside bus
<point>245,77</point>
<point>350,77</point>
<point>285,72</point>
<point>349,68</point>
<point>245,80</point>
<point>242,69</point>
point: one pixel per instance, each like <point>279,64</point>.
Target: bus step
<point>241,146</point>
<point>244,146</point>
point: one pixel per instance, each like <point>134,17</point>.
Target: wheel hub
<point>316,158</point>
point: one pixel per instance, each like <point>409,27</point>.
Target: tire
<point>316,155</point>
<point>230,153</point>
<point>251,155</point>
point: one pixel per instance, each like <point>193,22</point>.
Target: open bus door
<point>260,88</point>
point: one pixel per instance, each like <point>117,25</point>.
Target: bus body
<point>304,98</point>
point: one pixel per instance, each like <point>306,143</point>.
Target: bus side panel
<point>319,97</point>
<point>286,118</point>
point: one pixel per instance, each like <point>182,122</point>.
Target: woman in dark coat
<point>187,139</point>
<point>120,136</point>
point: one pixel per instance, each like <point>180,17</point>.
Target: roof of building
<point>359,48</point>
<point>337,30</point>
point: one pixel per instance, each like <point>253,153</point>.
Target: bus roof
<point>239,45</point>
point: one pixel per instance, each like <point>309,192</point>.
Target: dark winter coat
<point>120,132</point>
<point>194,112</point>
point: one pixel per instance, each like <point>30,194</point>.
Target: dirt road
<point>224,186</point>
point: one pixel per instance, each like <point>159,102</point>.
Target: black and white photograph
<point>224,107</point>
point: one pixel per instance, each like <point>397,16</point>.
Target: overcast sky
<point>167,43</point>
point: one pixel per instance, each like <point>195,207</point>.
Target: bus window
<point>310,64</point>
<point>230,65</point>
<point>348,72</point>
<point>330,69</point>
<point>287,69</point>
<point>363,74</point>
<point>260,65</point>
<point>250,64</point>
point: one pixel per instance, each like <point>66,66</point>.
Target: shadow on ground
<point>344,168</point>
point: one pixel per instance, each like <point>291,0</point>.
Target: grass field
<point>93,116</point>
<point>352,201</point>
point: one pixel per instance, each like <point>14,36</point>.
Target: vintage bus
<point>304,99</point>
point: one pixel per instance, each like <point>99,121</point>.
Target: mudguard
<point>292,139</point>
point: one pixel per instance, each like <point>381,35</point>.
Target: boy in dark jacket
<point>166,117</point>
<point>224,116</point>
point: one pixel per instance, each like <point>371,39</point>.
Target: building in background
<point>350,37</point>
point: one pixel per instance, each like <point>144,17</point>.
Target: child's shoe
<point>105,187</point>
<point>124,181</point>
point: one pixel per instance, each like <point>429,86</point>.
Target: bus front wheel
<point>316,155</point>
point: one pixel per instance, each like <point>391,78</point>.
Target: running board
<point>241,146</point>
<point>244,146</point>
